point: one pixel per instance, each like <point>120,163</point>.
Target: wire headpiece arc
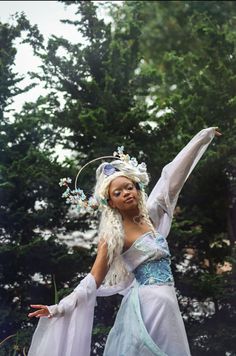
<point>93,160</point>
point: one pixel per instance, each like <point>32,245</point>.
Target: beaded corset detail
<point>154,272</point>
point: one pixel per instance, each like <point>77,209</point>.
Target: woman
<point>132,259</point>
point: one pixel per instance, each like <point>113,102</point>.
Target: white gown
<point>148,322</point>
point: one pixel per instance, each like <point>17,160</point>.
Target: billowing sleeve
<point>80,294</point>
<point>163,198</point>
<point>69,330</point>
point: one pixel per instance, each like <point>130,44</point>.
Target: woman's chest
<point>132,233</point>
<point>147,246</point>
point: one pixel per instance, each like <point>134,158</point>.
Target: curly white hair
<point>111,227</point>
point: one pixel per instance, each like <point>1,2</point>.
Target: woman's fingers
<point>31,315</point>
<point>37,306</point>
<point>217,132</point>
<point>42,311</point>
<point>38,314</point>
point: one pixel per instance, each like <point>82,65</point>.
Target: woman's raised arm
<point>163,198</point>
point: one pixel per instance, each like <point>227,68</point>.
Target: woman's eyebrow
<point>121,186</point>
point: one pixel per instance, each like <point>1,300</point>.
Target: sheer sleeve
<point>163,198</point>
<point>57,335</point>
<point>80,294</point>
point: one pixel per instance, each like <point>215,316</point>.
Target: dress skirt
<point>148,323</point>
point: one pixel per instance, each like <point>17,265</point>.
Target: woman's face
<point>123,194</point>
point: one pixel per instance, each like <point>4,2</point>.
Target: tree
<point>32,214</point>
<point>8,78</point>
<point>140,80</point>
<point>99,82</point>
<point>189,46</point>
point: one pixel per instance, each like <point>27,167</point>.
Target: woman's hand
<point>42,311</point>
<point>217,132</point>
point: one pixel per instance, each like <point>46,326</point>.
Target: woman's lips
<point>129,200</point>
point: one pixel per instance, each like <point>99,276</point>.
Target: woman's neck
<point>130,215</point>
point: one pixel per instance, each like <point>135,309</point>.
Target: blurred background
<point>78,79</point>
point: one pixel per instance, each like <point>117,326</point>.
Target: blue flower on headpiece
<point>80,193</point>
<point>120,150</point>
<point>141,186</point>
<point>109,169</point>
<point>104,201</point>
<point>66,193</point>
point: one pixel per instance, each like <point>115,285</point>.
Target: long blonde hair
<point>111,228</point>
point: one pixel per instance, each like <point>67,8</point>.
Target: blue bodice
<point>149,259</point>
<point>154,272</point>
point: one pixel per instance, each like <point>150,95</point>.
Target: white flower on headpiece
<point>92,202</point>
<point>134,162</point>
<point>125,158</point>
<point>142,167</point>
<point>78,199</point>
<point>65,181</point>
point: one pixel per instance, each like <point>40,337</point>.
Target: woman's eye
<point>116,194</point>
<point>130,187</point>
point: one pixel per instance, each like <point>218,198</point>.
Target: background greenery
<point>151,78</point>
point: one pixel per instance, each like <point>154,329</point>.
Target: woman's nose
<point>126,192</point>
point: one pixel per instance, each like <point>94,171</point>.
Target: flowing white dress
<point>149,321</point>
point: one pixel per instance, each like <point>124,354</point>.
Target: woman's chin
<point>131,205</point>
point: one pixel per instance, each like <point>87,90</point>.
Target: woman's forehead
<point>118,182</point>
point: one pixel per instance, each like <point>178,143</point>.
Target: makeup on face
<point>122,192</point>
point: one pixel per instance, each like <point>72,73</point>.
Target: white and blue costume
<point>149,322</point>
<point>150,308</point>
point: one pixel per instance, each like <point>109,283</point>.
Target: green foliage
<point>8,78</point>
<point>99,85</point>
<point>32,212</point>
<point>150,79</point>
<point>191,48</point>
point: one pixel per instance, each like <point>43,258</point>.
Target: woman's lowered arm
<point>88,285</point>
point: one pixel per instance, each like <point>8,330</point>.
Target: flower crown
<point>77,197</point>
